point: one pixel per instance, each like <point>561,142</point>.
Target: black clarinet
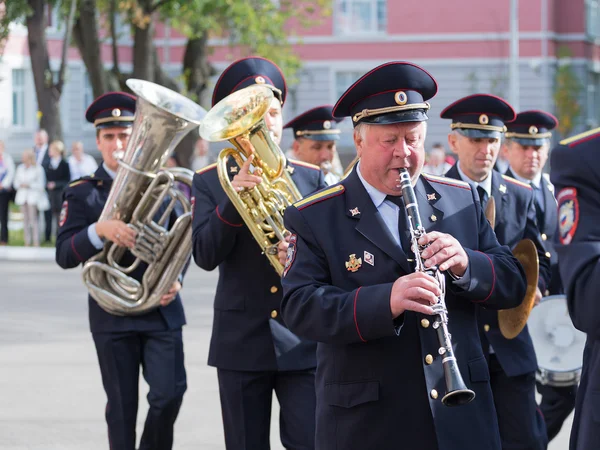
<point>457,392</point>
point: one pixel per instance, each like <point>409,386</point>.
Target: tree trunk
<point>47,96</point>
<point>86,37</point>
<point>143,47</point>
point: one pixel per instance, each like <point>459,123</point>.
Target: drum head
<point>558,344</point>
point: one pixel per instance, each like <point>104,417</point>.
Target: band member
<point>253,351</point>
<point>124,343</point>
<point>315,134</point>
<point>576,174</point>
<point>478,122</point>
<point>380,379</point>
<point>526,147</point>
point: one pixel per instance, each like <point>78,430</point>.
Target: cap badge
<point>484,119</point>
<point>259,80</point>
<point>327,125</point>
<point>401,98</point>
<point>116,112</point>
<point>353,264</point>
<point>533,129</point>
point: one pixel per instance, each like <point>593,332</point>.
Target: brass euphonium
<point>140,188</point>
<point>239,118</point>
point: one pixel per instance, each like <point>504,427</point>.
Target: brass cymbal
<point>490,211</point>
<point>512,321</point>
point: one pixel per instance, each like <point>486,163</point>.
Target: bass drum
<point>558,344</point>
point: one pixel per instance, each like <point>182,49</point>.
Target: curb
<point>8,253</point>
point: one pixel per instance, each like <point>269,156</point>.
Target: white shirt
<point>40,153</point>
<point>86,166</point>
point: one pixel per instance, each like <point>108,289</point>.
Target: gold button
<point>274,314</point>
<point>428,359</point>
<point>486,327</point>
<point>424,323</point>
<point>274,289</point>
<point>548,255</point>
<point>544,237</point>
<point>434,394</point>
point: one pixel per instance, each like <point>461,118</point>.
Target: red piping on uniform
<point>493,281</point>
<point>224,221</point>
<point>581,141</point>
<point>356,321</point>
<point>74,250</point>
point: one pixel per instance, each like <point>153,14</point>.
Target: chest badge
<point>354,212</point>
<point>431,197</point>
<point>502,188</point>
<point>290,169</point>
<point>369,258</point>
<point>353,264</point>
<point>233,169</point>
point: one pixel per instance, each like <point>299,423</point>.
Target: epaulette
<point>515,181</point>
<point>304,164</point>
<point>77,182</point>
<point>207,168</point>
<point>447,181</point>
<point>320,196</point>
<point>580,138</point>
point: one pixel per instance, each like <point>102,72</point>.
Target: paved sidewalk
<point>8,253</point>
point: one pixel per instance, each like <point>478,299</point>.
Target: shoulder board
<point>320,196</point>
<point>445,180</point>
<point>515,181</point>
<point>304,164</point>
<point>207,168</point>
<point>574,140</point>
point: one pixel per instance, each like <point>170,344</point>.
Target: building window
<point>360,16</point>
<point>343,80</point>
<point>592,19</point>
<point>18,97</point>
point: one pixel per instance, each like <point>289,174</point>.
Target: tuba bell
<point>140,188</point>
<point>239,118</point>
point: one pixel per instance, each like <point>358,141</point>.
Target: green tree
<point>567,90</point>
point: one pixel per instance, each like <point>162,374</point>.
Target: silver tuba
<point>141,186</point>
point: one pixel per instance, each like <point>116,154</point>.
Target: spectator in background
<point>43,159</point>
<point>80,163</point>
<point>7,173</point>
<point>57,179</point>
<point>31,197</point>
<point>436,164</point>
<point>202,156</point>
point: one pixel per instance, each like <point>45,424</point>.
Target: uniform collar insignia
<point>502,188</point>
<point>431,197</point>
<point>290,169</point>
<point>233,169</point>
<point>355,212</point>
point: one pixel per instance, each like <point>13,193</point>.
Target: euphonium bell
<point>239,118</point>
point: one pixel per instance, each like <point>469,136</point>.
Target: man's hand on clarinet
<point>445,252</point>
<point>414,292</point>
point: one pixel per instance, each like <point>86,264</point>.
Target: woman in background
<point>7,173</point>
<point>29,182</point>
<point>58,176</point>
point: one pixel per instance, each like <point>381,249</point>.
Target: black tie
<point>403,226</point>
<point>538,198</point>
<point>483,196</point>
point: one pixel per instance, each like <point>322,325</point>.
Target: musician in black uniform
<point>380,379</point>
<point>253,351</point>
<point>124,343</point>
<point>478,122</point>
<point>315,136</point>
<point>576,175</point>
<point>527,145</point>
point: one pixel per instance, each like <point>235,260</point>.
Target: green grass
<point>16,239</point>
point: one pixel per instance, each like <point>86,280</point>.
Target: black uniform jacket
<point>248,333</point>
<point>515,220</point>
<point>83,203</point>
<point>378,379</point>
<point>576,176</point>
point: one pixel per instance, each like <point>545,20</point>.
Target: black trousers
<point>556,405</point>
<point>48,224</point>
<point>5,197</point>
<point>246,407</point>
<point>519,419</point>
<point>160,354</point>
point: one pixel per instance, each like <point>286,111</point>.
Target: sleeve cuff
<point>462,282</point>
<point>228,214</point>
<point>94,238</point>
<point>372,313</point>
